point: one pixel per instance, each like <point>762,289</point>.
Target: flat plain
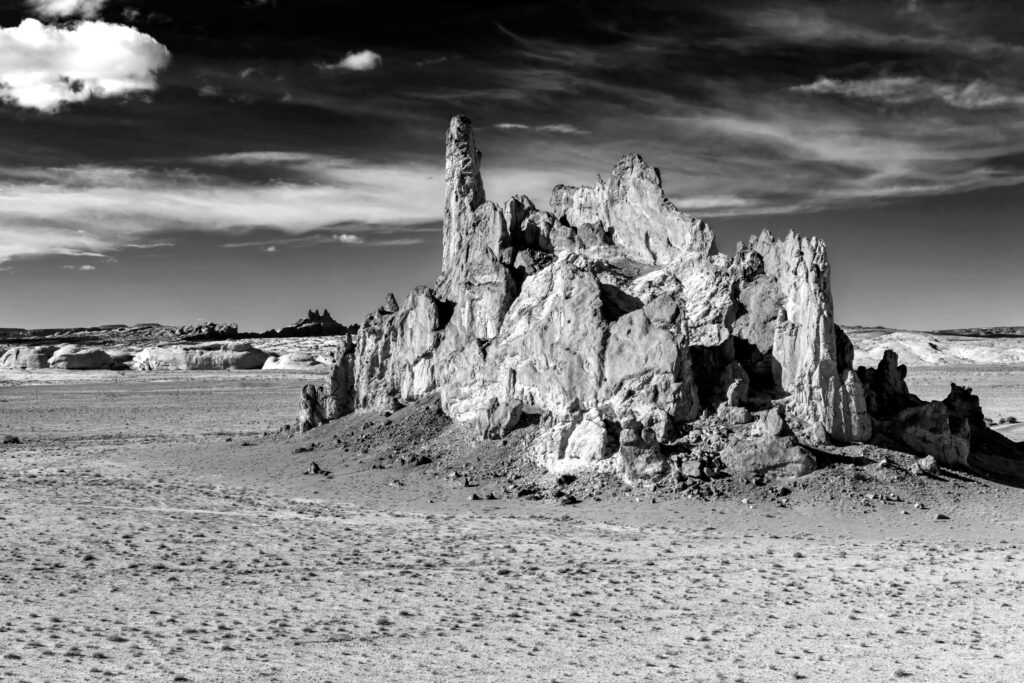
<point>159,527</point>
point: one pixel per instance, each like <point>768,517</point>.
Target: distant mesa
<point>988,332</point>
<point>615,324</point>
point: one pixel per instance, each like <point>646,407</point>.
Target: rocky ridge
<point>613,322</point>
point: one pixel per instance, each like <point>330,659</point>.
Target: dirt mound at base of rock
<point>419,446</point>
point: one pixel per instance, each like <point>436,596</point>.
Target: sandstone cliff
<point>613,321</point>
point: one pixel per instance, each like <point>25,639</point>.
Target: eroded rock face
<point>394,352</point>
<point>631,211</point>
<point>614,321</point>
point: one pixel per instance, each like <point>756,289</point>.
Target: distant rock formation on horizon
<point>615,321</point>
<point>315,324</point>
<point>208,332</point>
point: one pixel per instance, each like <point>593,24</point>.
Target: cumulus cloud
<point>977,94</point>
<point>363,60</point>
<point>271,249</point>
<point>44,67</point>
<point>85,267</point>
<point>67,8</point>
<point>347,238</point>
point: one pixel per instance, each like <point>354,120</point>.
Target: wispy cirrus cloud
<point>816,26</point>
<point>977,94</point>
<point>89,209</point>
<point>370,237</point>
<point>562,128</point>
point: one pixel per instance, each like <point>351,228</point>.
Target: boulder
<point>639,457</point>
<point>774,453</point>
<point>27,358</point>
<point>734,415</point>
<point>500,418</point>
<point>73,357</point>
<point>926,465</point>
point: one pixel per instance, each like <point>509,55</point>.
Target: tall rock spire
<point>463,190</point>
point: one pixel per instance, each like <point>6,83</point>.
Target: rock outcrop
<point>293,361</point>
<point>952,431</point>
<point>27,357</point>
<point>208,356</point>
<point>613,321</point>
<point>74,357</point>
<point>336,397</point>
<point>207,332</point>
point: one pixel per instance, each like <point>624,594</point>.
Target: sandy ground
<point>142,544</point>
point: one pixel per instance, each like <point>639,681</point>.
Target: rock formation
<point>315,324</point>
<point>208,356</point>
<point>207,332</point>
<point>336,397</point>
<point>293,361</point>
<point>27,357</point>
<point>614,321</point>
<point>73,357</point>
<point>953,431</point>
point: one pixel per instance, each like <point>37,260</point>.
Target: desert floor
<point>151,531</point>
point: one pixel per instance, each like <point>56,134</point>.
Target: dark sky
<point>243,161</point>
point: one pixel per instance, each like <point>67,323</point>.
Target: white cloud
<point>977,94</point>
<point>85,267</point>
<point>346,238</point>
<point>43,67</point>
<point>67,8</point>
<point>363,60</point>
<point>270,250</point>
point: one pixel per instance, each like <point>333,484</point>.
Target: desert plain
<point>159,526</point>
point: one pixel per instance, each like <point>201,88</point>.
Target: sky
<point>246,160</point>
